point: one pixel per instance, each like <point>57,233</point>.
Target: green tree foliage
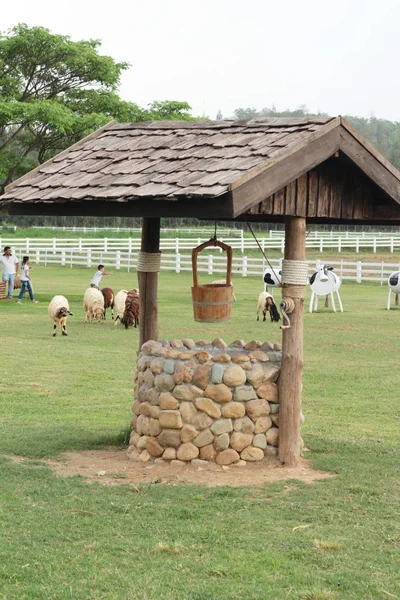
<point>383,134</point>
<point>54,91</point>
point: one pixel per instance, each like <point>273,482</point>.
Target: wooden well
<point>212,303</point>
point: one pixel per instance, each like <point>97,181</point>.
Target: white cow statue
<point>394,287</point>
<point>271,279</point>
<point>325,282</point>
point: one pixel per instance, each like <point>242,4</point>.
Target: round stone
<point>167,401</point>
<point>237,344</point>
<point>134,438</point>
<point>268,391</point>
<point>259,356</point>
<point>204,438</point>
<point>260,441</point>
<point>170,419</point>
<point>136,407</point>
<point>222,426</point>
<point>187,392</point>
<point>149,346</point>
<point>256,375</point>
<point>182,374</point>
<point>244,424</point>
<point>203,356</point>
<point>176,343</point>
<point>187,452</point>
<point>222,358</point>
<point>262,425</point>
<point>218,392</point>
<point>240,441</point>
<point>233,410</point>
<point>188,411</point>
<point>143,425</point>
<point>253,345</point>
<point>144,456</point>
<point>201,376</point>
<point>141,445</point>
<point>153,447</point>
<point>172,353</point>
<point>272,436</point>
<point>148,378</point>
<point>202,421</point>
<point>145,408</point>
<point>234,376</point>
<point>209,407</point>
<point>271,373</point>
<point>251,454</point>
<point>155,427</point>
<point>188,343</point>
<point>227,457</point>
<point>222,441</point>
<point>188,433</point>
<point>170,438</point>
<point>169,366</point>
<point>274,408</point>
<point>257,408</point>
<point>240,358</point>
<point>157,366</point>
<point>154,412</point>
<point>178,463</point>
<point>164,382</point>
<point>153,396</point>
<point>275,420</point>
<point>219,343</point>
<point>208,453</point>
<point>244,393</point>
<point>169,454</point>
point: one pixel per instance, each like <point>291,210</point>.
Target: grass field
<point>64,538</point>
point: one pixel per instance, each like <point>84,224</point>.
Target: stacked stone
<point>206,400</point>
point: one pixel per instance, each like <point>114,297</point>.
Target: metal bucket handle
<point>214,243</point>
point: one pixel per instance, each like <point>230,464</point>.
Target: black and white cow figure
<point>394,287</point>
<point>271,279</point>
<point>324,282</point>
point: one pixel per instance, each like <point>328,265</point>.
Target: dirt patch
<point>111,467</point>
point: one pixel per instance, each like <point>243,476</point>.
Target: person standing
<point>95,282</point>
<point>10,265</point>
<point>26,281</point>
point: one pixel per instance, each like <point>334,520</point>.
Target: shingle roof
<point>169,160</point>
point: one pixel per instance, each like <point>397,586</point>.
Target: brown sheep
<point>108,301</point>
<point>131,314</point>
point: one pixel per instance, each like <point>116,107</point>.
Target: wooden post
<point>148,283</point>
<point>292,350</point>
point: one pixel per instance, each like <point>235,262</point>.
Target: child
<point>97,276</point>
<point>26,281</point>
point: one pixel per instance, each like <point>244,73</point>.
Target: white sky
<point>339,57</point>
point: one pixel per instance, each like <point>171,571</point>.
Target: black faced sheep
<point>266,304</point>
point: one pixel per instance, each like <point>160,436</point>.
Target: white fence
<point>178,245</point>
<point>212,264</point>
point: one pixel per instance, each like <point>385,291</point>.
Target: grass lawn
<point>66,539</point>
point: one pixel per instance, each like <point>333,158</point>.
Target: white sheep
<point>223,282</point>
<point>93,304</point>
<point>119,305</point>
<point>58,311</point>
<point>266,304</point>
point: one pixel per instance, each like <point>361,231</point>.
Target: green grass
<point>64,538</point>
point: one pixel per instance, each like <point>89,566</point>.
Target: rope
<point>295,272</point>
<point>149,262</point>
<point>263,253</point>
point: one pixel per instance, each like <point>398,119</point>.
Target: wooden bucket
<point>3,290</point>
<point>212,303</point>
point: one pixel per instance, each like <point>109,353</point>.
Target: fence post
<point>242,241</point>
<point>321,244</point>
<point>244,266</point>
<point>374,245</point>
<point>105,247</point>
<point>63,258</point>
<point>177,247</point>
<point>382,273</point>
<point>341,270</point>
<point>359,272</point>
<point>283,245</point>
<point>210,264</point>
<point>54,245</point>
<point>391,245</point>
<point>130,245</point>
<point>118,260</point>
<point>80,244</point>
<point>357,245</point>
<point>262,244</point>
<point>177,262</point>
<point>37,259</point>
<point>89,258</point>
<point>27,245</point>
<point>339,246</point>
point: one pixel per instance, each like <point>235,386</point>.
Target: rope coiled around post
<point>149,262</point>
<point>295,272</point>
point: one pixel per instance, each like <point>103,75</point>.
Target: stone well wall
<point>206,400</point>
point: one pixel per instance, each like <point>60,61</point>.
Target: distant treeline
<point>383,134</point>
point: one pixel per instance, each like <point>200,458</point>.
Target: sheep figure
<point>119,305</point>
<point>271,278</point>
<point>394,287</point>
<point>131,313</point>
<point>223,282</point>
<point>266,304</point>
<point>108,295</point>
<point>58,312</point>
<point>93,304</point>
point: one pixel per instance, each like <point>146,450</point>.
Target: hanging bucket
<point>212,303</point>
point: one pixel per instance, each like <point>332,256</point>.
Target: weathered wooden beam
<point>148,283</point>
<point>292,350</point>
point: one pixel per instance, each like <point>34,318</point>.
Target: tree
<point>54,91</point>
